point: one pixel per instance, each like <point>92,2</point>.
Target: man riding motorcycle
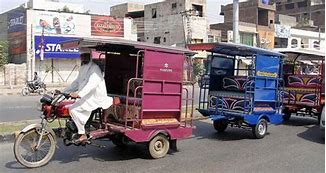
<point>90,90</point>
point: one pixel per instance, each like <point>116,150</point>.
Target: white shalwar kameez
<point>90,86</point>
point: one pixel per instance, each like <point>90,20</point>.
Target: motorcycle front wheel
<point>25,91</point>
<point>28,154</point>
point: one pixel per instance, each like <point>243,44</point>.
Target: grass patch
<point>10,127</point>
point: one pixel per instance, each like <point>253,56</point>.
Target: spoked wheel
<point>28,154</point>
<point>41,91</point>
<point>220,125</point>
<point>159,146</point>
<point>260,129</point>
<point>25,91</point>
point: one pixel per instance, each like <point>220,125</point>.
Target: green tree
<point>198,69</point>
<point>3,53</point>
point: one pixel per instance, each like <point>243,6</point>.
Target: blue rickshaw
<point>241,87</point>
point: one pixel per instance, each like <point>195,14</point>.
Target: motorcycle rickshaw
<point>151,104</point>
<point>244,96</point>
<point>304,82</point>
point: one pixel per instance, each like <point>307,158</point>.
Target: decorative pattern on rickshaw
<point>300,97</point>
<point>303,81</point>
<point>228,103</point>
<point>235,83</point>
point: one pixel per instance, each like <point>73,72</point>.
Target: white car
<point>322,119</point>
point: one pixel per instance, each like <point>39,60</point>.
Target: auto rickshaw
<point>304,82</point>
<point>241,96</point>
<point>151,104</point>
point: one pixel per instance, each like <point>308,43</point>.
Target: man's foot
<point>81,139</point>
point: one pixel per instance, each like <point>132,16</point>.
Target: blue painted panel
<point>263,94</point>
<point>267,66</point>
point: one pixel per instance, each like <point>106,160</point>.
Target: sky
<point>103,6</point>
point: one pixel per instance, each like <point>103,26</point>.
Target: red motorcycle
<point>36,144</point>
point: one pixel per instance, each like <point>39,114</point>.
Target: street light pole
<point>236,21</point>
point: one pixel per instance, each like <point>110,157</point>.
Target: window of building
<point>198,10</point>
<point>289,6</point>
<point>263,17</point>
<point>210,39</point>
<point>247,38</point>
<point>154,13</point>
<point>280,42</point>
<point>157,40</point>
<point>271,21</point>
<point>303,4</point>
<point>174,6</point>
<point>279,7</point>
<point>294,43</point>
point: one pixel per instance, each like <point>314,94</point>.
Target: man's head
<point>85,58</point>
<point>35,73</point>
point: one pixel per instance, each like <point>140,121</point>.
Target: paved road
<point>17,108</point>
<point>296,147</point>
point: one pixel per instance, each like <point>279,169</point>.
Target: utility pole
<point>188,37</point>
<point>186,21</point>
<point>236,21</point>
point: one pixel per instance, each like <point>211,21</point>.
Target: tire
<point>159,146</point>
<point>260,129</point>
<point>287,115</point>
<point>25,91</point>
<point>41,91</point>
<point>220,125</point>
<point>29,138</point>
<point>120,141</point>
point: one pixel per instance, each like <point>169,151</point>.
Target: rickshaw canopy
<point>302,54</point>
<point>233,49</point>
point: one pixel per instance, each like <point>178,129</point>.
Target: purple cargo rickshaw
<point>151,104</point>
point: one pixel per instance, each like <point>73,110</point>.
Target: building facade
<point>34,37</point>
<point>308,13</point>
<point>256,23</point>
<point>176,22</point>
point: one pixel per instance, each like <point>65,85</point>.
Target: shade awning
<point>233,49</point>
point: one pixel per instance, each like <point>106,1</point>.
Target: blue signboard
<point>52,48</point>
<point>16,21</point>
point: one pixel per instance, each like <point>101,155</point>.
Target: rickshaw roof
<point>113,44</point>
<point>302,53</point>
<point>233,49</point>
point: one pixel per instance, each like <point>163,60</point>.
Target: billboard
<point>266,39</point>
<point>282,31</point>
<point>52,48</point>
<point>61,23</point>
<point>17,42</point>
<point>16,21</point>
<point>107,26</point>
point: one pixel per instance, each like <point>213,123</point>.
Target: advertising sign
<point>266,39</point>
<point>16,21</point>
<point>282,31</point>
<point>17,42</point>
<point>52,48</point>
<point>107,26</point>
<point>61,23</point>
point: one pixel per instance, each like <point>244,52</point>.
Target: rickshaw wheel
<point>287,115</point>
<point>119,141</point>
<point>220,125</point>
<point>260,129</point>
<point>159,146</point>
